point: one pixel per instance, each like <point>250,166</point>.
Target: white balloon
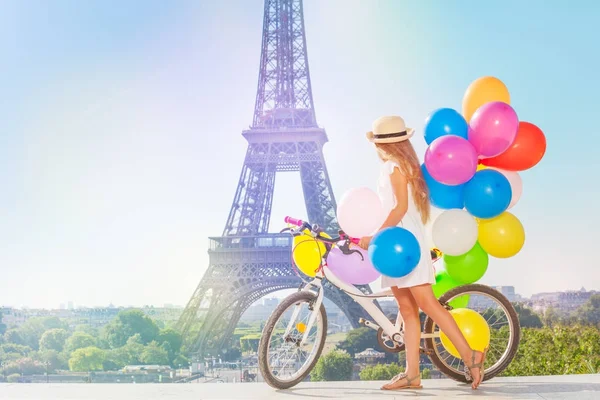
<point>516,184</point>
<point>455,232</point>
<point>360,212</point>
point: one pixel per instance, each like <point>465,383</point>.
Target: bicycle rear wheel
<point>504,328</point>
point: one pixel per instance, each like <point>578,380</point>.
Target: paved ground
<point>579,387</point>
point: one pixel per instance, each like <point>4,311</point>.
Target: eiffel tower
<point>247,262</point>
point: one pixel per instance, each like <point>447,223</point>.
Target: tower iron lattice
<point>247,262</point>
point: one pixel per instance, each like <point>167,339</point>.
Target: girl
<point>405,195</point>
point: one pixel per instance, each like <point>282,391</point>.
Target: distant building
<point>563,301</point>
<point>509,292</point>
<point>13,317</point>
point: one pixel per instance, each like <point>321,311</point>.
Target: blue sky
<point>113,115</point>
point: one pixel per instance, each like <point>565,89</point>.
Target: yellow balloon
<point>474,328</point>
<point>308,253</point>
<point>481,167</point>
<point>481,91</point>
<point>502,236</point>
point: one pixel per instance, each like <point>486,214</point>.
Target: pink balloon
<point>360,212</point>
<point>494,127</point>
<point>351,268</point>
<point>516,184</point>
<point>451,160</point>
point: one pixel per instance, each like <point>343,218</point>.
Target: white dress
<point>423,273</point>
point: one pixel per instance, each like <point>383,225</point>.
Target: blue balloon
<point>445,121</point>
<point>394,252</point>
<point>443,196</point>
<point>487,194</point>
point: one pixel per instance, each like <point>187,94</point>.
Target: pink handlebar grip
<point>293,221</point>
<point>355,240</point>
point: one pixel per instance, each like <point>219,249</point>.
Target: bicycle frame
<point>367,302</point>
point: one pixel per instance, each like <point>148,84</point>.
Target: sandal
<point>408,384</point>
<point>474,365</point>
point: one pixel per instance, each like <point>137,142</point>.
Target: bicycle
<point>285,367</point>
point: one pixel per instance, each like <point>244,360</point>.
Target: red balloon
<point>526,151</point>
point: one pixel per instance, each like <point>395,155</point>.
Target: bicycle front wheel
<point>283,358</point>
<point>504,326</point>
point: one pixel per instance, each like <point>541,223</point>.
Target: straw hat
<point>389,129</point>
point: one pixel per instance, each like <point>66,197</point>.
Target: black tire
<point>516,332</point>
<point>263,347</point>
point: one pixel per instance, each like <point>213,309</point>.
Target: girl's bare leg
<point>412,336</point>
<point>427,302</point>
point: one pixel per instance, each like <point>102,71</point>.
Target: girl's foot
<point>475,371</point>
<point>402,381</point>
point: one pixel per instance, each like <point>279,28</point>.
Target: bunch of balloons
<point>393,252</point>
<point>472,170</point>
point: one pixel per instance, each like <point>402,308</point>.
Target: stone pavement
<point>579,387</point>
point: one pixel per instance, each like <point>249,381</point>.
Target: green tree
<point>527,317</point>
<point>87,359</point>
<point>589,313</point>
<point>53,339</point>
<point>56,360</point>
<point>380,372</point>
<point>2,325</point>
<point>153,354</point>
<point>90,330</point>
<point>79,340</point>
<point>129,323</point>
<point>181,360</point>
<point>358,340</point>
<point>8,348</point>
<point>115,359</point>
<point>25,366</point>
<point>32,330</point>
<point>556,351</point>
<point>172,337</point>
<point>334,366</point>
<point>426,373</point>
<point>130,354</point>
<point>13,336</point>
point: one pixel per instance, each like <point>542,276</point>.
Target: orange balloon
<point>526,151</point>
<point>481,91</point>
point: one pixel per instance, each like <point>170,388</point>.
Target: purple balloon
<point>494,127</point>
<point>451,160</point>
<point>351,268</point>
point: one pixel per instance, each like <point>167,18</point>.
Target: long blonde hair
<point>404,154</point>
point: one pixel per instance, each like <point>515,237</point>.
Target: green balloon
<point>469,267</point>
<point>443,283</point>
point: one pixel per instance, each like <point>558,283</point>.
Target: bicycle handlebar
<point>435,253</point>
<point>293,221</point>
<point>300,223</point>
